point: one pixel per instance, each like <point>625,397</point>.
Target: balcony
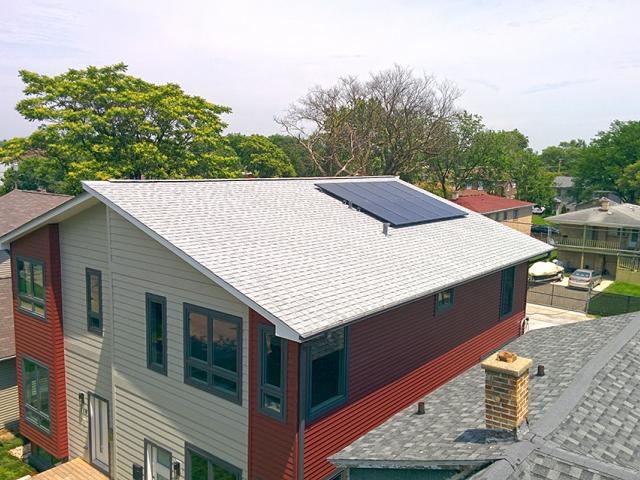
<point>609,246</point>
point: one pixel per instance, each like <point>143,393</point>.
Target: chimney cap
<point>515,368</point>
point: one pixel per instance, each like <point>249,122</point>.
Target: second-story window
<point>30,280</point>
<point>506,291</point>
<point>327,371</point>
<point>93,280</point>
<point>156,310</point>
<point>213,344</point>
<point>444,300</point>
<point>273,359</point>
<point>35,381</point>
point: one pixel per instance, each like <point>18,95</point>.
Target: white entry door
<point>99,426</point>
<point>158,465</point>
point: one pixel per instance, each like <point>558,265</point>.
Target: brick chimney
<point>506,391</point>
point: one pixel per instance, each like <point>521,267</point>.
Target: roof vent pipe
<point>420,408</point>
<point>385,229</point>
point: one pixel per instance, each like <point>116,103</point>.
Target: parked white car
<point>543,272</point>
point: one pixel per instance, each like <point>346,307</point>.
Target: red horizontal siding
<point>273,445</point>
<point>43,340</point>
<point>401,355</point>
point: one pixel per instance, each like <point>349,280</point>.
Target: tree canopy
<point>101,123</point>
<point>260,156</point>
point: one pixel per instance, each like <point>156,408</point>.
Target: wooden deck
<point>76,469</point>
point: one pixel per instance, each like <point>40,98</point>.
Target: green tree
<point>101,123</point>
<point>298,156</point>
<point>562,158</point>
<point>261,156</point>
<point>604,164</point>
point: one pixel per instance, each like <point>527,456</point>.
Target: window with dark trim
<point>158,462</point>
<point>444,300</point>
<point>30,280</point>
<point>506,291</point>
<point>204,466</point>
<point>272,373</point>
<point>213,349</point>
<point>156,313</point>
<point>93,281</point>
<point>35,394</point>
<point>327,367</point>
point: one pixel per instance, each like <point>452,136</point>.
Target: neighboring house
<point>565,197</point>
<point>250,328</point>
<point>614,199</point>
<point>16,208</point>
<point>507,421</point>
<point>512,213</point>
<point>603,238</point>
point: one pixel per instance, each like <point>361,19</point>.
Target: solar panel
<point>392,202</point>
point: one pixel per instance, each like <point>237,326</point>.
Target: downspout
<point>302,407</point>
<point>584,242</point>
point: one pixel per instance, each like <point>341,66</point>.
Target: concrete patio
<point>541,316</point>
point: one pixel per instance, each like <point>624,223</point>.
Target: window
<point>212,351</point>
<point>30,285</point>
<point>444,300</point>
<point>506,292</point>
<point>93,279</point>
<point>204,466</point>
<point>35,379</point>
<point>516,213</point>
<point>327,372</point>
<point>156,308</point>
<point>158,462</point>
<point>273,360</point>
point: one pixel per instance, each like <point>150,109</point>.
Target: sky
<point>555,70</point>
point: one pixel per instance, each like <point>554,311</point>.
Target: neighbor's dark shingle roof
<point>17,208</point>
<point>583,414</point>
<point>20,206</point>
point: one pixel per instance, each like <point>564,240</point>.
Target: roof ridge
<point>39,192</point>
<point>260,179</point>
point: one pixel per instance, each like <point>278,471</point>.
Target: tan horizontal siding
<point>163,409</point>
<point>9,410</point>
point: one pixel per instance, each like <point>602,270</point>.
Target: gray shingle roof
<point>562,181</point>
<point>305,257</point>
<point>623,215</point>
<point>583,415</point>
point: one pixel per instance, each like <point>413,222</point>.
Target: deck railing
<point>596,244</point>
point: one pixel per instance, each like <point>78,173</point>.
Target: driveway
<point>541,316</point>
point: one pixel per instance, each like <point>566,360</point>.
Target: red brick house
<point>251,328</point>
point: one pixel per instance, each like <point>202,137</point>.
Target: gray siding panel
<point>9,409</point>
<point>83,244</point>
<point>163,409</point>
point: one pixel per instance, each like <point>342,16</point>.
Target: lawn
<point>539,220</point>
<point>622,288</point>
<point>11,467</point>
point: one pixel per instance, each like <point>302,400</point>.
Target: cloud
<point>545,87</point>
<point>484,83</point>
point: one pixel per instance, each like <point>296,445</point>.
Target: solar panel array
<point>392,202</point>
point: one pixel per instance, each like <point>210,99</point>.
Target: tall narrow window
<point>506,293</point>
<point>444,300</point>
<point>204,466</point>
<point>327,371</point>
<point>273,360</point>
<point>35,381</point>
<point>93,280</point>
<point>213,344</point>
<point>156,333</point>
<point>30,279</point>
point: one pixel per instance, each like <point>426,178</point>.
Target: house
<point>603,238</point>
<point>572,415</point>
<point>512,213</point>
<point>250,328</point>
<point>16,208</point>
<point>565,196</point>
